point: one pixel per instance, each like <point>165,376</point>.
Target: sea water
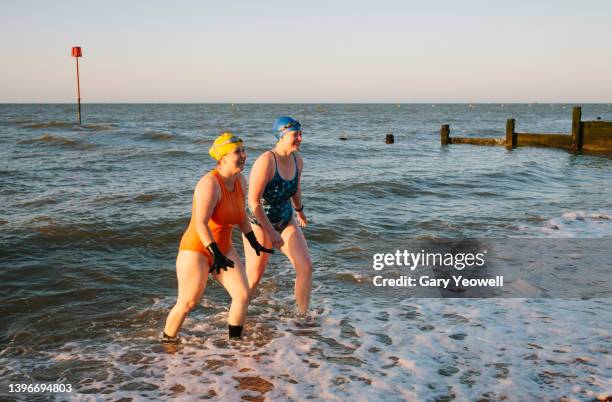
<point>91,217</point>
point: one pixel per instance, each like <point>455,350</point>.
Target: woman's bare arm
<point>297,197</point>
<point>207,194</point>
<point>260,175</point>
<point>245,225</point>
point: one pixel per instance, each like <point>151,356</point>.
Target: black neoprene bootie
<point>165,338</point>
<point>235,331</point>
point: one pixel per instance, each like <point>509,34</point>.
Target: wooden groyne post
<point>445,139</point>
<point>577,131</point>
<point>445,134</point>
<point>588,136</point>
<point>511,135</point>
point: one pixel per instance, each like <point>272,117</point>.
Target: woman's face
<point>292,140</point>
<point>235,159</point>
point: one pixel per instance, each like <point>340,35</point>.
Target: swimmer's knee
<point>305,275</point>
<point>309,265</point>
<point>253,289</point>
<point>241,296</point>
<point>188,305</point>
<point>304,268</point>
<point>256,271</point>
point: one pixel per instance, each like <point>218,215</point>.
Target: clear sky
<point>308,51</point>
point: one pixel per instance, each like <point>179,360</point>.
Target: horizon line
<point>608,103</point>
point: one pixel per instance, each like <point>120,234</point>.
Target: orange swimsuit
<point>228,211</point>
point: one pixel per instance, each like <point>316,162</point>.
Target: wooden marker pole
<point>76,53</point>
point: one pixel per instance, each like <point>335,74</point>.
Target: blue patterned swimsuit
<point>277,199</point>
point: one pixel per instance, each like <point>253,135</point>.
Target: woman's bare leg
<point>234,280</point>
<point>296,249</point>
<point>192,275</point>
<point>255,265</point>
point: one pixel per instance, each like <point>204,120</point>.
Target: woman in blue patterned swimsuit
<point>274,193</point>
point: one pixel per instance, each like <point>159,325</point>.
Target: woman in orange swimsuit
<point>206,246</point>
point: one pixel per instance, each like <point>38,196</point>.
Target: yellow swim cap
<point>224,144</point>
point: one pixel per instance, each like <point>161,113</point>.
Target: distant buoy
<point>389,139</point>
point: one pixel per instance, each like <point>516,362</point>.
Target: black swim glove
<point>219,260</point>
<point>255,244</point>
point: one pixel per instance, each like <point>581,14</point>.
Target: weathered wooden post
<point>577,132</point>
<point>511,136</point>
<point>445,134</point>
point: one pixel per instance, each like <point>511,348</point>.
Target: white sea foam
<point>419,349</point>
<point>579,224</point>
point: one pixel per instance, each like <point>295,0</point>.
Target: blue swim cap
<point>285,124</point>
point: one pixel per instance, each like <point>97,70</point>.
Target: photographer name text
<point>407,260</point>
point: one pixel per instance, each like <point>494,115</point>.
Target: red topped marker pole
<point>76,53</point>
